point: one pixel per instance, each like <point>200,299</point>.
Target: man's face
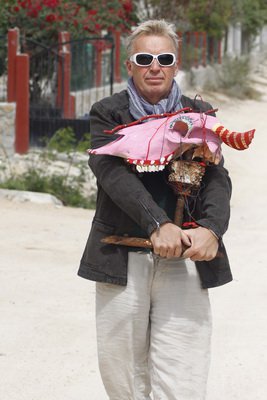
<point>154,82</point>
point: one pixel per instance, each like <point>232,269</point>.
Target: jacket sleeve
<point>119,182</point>
<point>214,199</point>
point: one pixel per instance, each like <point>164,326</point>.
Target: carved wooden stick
<point>131,242</point>
<point>137,242</point>
<point>128,241</point>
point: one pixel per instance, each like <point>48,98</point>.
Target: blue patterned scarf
<point>140,107</point>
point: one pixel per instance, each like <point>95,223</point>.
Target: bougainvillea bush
<point>43,19</point>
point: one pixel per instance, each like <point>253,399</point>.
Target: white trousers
<point>153,335</point>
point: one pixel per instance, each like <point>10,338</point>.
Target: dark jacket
<point>123,203</point>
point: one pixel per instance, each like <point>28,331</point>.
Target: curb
<point>21,196</point>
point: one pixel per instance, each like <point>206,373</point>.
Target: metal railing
<point>91,78</point>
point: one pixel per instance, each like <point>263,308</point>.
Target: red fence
<point>198,49</point>
<point>195,49</point>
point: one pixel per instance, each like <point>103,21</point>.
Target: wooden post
<point>13,47</point>
<point>22,99</point>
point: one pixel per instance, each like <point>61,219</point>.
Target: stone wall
<point>7,128</point>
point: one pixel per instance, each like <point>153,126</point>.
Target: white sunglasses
<point>146,59</point>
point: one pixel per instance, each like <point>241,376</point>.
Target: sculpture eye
<point>181,127</point>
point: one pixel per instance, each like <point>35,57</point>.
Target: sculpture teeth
<point>134,161</point>
<point>149,168</point>
<point>152,162</point>
<point>170,157</point>
<point>162,160</point>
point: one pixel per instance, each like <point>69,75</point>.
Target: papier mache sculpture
<point>185,141</point>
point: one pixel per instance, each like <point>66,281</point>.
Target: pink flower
<point>92,12</point>
<point>50,18</point>
<point>24,4</point>
<point>51,3</point>
<point>76,10</point>
<point>127,5</point>
<point>33,13</point>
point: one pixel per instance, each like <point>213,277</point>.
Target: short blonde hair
<point>158,27</point>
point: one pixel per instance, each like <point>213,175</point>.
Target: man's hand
<point>167,240</point>
<point>204,244</point>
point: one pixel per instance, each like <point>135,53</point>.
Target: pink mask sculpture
<point>150,146</point>
<point>153,144</point>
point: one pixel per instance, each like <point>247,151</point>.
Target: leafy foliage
<point>211,16</point>
<point>43,19</point>
<point>64,140</point>
<point>253,15</point>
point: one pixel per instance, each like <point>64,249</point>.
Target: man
<point>152,308</point>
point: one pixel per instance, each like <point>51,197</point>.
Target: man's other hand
<point>168,239</point>
<point>204,244</point>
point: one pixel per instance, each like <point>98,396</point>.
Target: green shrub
<point>232,78</point>
<point>62,184</point>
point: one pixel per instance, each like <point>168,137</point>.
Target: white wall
<point>7,128</point>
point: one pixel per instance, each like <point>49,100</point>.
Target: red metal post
<point>64,98</point>
<point>204,49</point>
<point>72,105</point>
<point>64,37</point>
<point>188,47</point>
<point>117,66</point>
<point>67,101</point>
<point>98,77</point>
<point>13,46</point>
<point>219,51</point>
<point>59,81</point>
<point>196,46</point>
<point>211,49</point>
<point>22,107</point>
<point>180,36</point>
<point>98,63</point>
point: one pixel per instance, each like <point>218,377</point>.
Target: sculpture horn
<point>236,140</point>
